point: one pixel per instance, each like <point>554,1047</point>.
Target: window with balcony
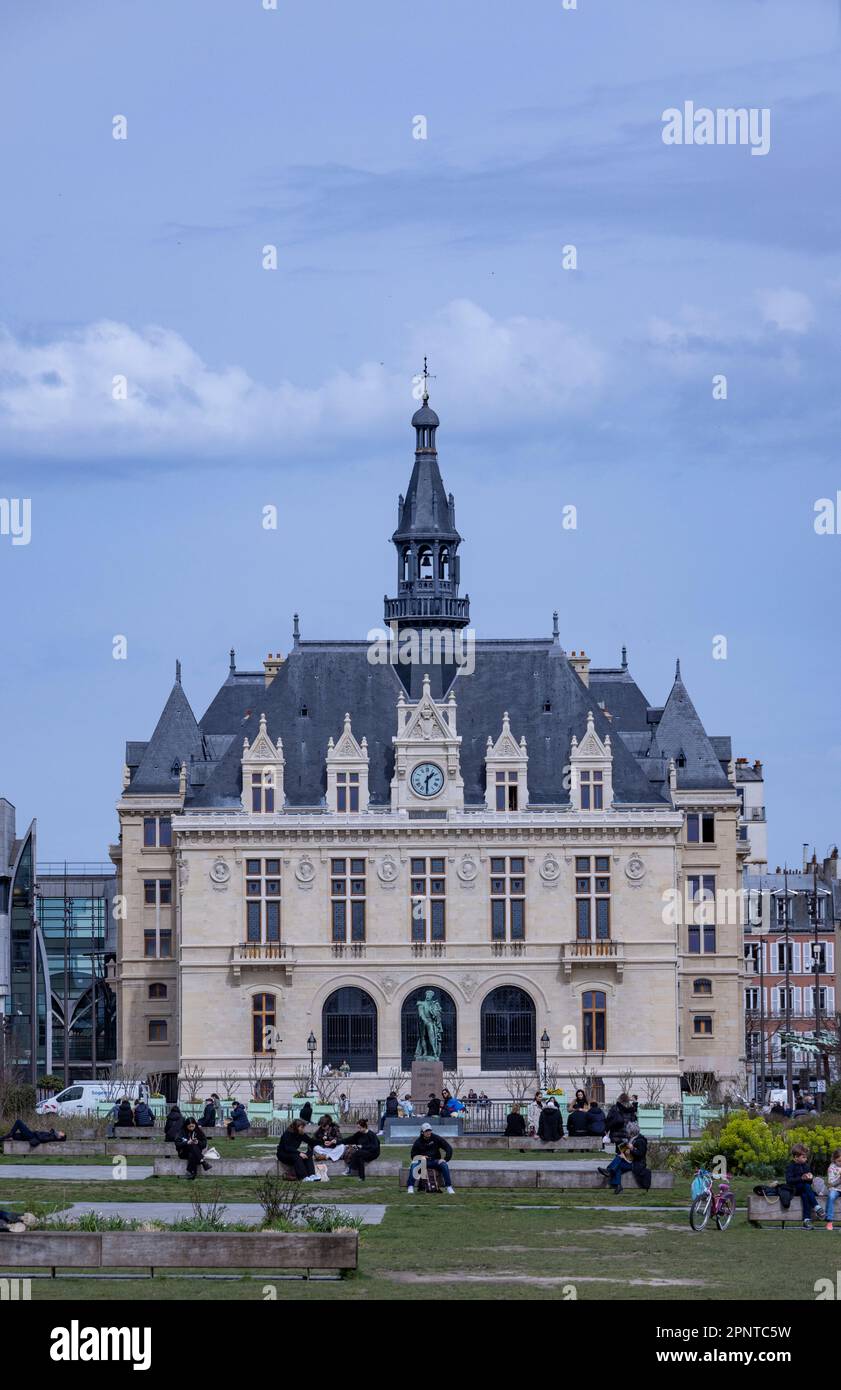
<point>347,900</point>
<point>508,898</point>
<point>429,899</point>
<point>262,900</point>
<point>592,897</point>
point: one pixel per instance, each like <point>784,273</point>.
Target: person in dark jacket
<point>799,1179</point>
<point>580,1102</point>
<point>638,1154</point>
<point>239,1121</point>
<point>365,1146</point>
<point>305,1113</point>
<point>618,1117</point>
<point>550,1127</point>
<point>391,1111</point>
<point>515,1124</point>
<point>618,1166</point>
<point>34,1137</point>
<point>434,1105</point>
<point>595,1120</point>
<point>125,1114</point>
<point>143,1117</point>
<point>190,1146</point>
<point>577,1123</point>
<point>289,1154</point>
<point>174,1125</point>
<point>208,1119</point>
<point>431,1146</point>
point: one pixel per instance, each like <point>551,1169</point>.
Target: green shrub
<point>832,1099</point>
<point>16,1098</point>
<point>751,1144</point>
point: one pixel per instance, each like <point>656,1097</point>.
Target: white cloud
<point>789,310</point>
<point>56,397</point>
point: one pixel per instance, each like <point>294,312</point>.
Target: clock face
<point>427,779</point>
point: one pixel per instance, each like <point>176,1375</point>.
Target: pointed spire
<point>177,672</point>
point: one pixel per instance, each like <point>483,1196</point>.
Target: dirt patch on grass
<point>464,1276</point>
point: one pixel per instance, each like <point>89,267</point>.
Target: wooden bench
<point>98,1251</point>
<point>532,1175</point>
<point>762,1209</point>
<point>71,1148</point>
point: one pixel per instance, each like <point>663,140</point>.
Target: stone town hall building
<point>497,821</point>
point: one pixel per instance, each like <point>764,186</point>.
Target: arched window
<point>425,562</point>
<point>410,1026</point>
<point>157,1030</point>
<point>157,991</point>
<point>349,1030</point>
<point>407,560</point>
<point>702,986</point>
<point>263,1023</point>
<point>594,1020</point>
<point>444,562</point>
<point>508,1030</point>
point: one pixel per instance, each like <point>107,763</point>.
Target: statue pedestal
<point>427,1079</point>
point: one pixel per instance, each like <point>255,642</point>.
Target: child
<point>799,1182</point>
<point>833,1185</point>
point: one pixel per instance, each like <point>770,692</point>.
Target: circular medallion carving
<point>305,872</point>
<point>468,869</point>
<point>635,869</point>
<point>387,870</point>
<point>550,869</point>
<point>220,871</point>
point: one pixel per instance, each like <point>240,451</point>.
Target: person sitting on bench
<point>515,1124</point>
<point>361,1148</point>
<point>618,1166</point>
<point>239,1121</point>
<point>550,1126</point>
<point>288,1151</point>
<point>190,1145</point>
<point>577,1123</point>
<point>34,1137</point>
<point>799,1183</point>
<point>431,1146</point>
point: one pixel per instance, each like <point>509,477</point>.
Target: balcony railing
<point>602,953</point>
<point>271,953</point>
<point>508,948</point>
<point>429,948</point>
<point>355,949</point>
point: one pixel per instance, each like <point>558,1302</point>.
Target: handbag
<point>212,1153</point>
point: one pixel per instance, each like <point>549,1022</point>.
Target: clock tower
<point>427,773</point>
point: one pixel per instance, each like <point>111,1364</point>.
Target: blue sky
<point>246,387</point>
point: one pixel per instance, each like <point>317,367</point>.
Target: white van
<point>83,1097</point>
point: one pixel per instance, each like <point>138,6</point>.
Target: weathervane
<point>426,379</point>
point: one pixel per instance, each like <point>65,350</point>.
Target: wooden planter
<point>100,1251</point>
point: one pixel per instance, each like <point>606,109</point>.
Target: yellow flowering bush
<point>753,1146</point>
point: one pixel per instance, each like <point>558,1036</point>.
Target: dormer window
<point>304,712</point>
<point>347,791</point>
<point>507,785</point>
<point>347,773</point>
<point>592,790</point>
<point>506,764</point>
<point>262,791</point>
<point>262,773</point>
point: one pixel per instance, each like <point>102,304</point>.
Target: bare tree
<point>700,1083</point>
<point>154,1080</point>
<point>301,1079</point>
<point>626,1081</point>
<point>652,1088</point>
<point>397,1080</point>
<point>191,1080</point>
<point>227,1084</point>
<point>120,1081</point>
<point>586,1079</point>
<point>261,1077</point>
<point>454,1080</point>
<point>520,1083</point>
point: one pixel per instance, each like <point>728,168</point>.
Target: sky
<point>159,387</point>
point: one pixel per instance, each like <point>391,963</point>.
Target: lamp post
<point>544,1043</point>
<point>311,1046</point>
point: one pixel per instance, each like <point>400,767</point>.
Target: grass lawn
<point>488,1244</point>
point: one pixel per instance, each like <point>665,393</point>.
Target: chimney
<point>580,663</point>
<point>272,665</point>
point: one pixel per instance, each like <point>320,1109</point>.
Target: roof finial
<point>677,669</point>
<point>624,658</point>
<point>296,629</point>
<point>425,380</point>
<point>177,672</point>
<point>233,665</point>
<point>556,631</point>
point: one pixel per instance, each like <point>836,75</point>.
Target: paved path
<point>371,1213</point>
<point>72,1172</point>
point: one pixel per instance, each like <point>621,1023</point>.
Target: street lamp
<point>544,1043</point>
<point>311,1046</point>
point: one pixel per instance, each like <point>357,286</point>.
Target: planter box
<point>108,1250</point>
<point>650,1119</point>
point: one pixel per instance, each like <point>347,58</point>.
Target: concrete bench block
<point>71,1148</point>
<point>156,1132</point>
<point>561,1178</point>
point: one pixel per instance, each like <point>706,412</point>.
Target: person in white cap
<point>431,1147</point>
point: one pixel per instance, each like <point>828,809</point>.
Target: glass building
<point>74,915</point>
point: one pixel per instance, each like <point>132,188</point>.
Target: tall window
<point>752,1000</point>
<point>262,900</point>
<point>347,791</point>
<point>429,900</point>
<point>157,892</point>
<point>507,791</point>
<point>592,897</point>
<point>508,899</point>
<point>592,790</point>
<point>157,1031</point>
<point>263,1023</point>
<point>700,828</point>
<point>594,1020</point>
<point>262,790</point>
<point>508,1029</point>
<point>347,899</point>
<point>157,939</point>
<point>349,1030</point>
<point>157,832</point>
<point>785,954</point>
<point>701,894</point>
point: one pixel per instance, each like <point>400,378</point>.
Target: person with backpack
<point>431,1146</point>
<point>364,1146</point>
<point>550,1126</point>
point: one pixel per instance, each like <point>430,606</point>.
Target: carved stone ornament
<point>467,871</point>
<point>305,872</point>
<point>635,870</point>
<point>220,874</point>
<point>388,870</point>
<point>550,869</point>
<point>469,985</point>
<point>388,985</point>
